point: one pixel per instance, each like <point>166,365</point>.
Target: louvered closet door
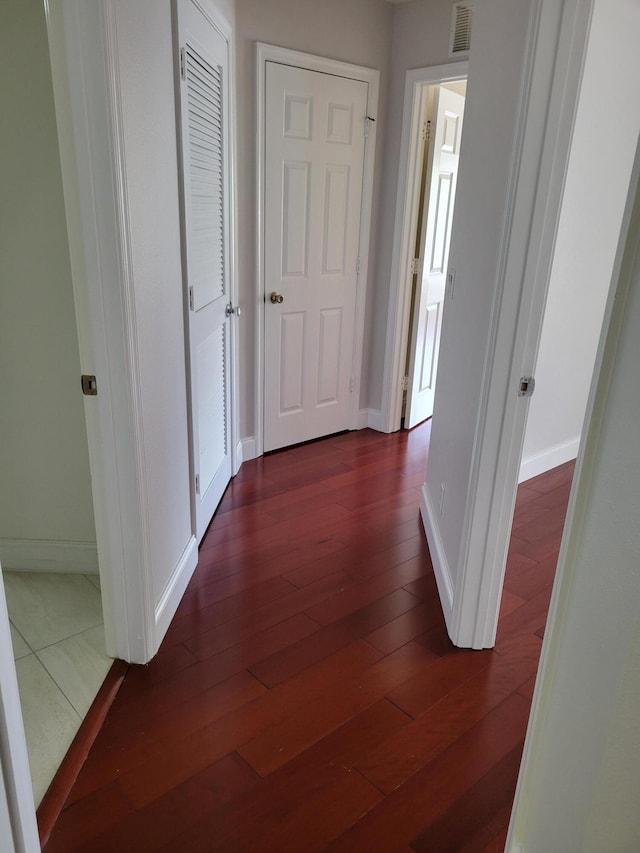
<point>205,149</point>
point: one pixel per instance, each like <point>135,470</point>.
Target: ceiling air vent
<point>461,21</point>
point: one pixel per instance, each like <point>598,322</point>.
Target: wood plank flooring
<point>306,696</point>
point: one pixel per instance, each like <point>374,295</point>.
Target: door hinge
<point>197,484</point>
<point>404,383</point>
<point>527,386</point>
<point>358,266</point>
<point>191,298</point>
<point>415,266</point>
<point>89,385</point>
<point>351,385</point>
<point>426,131</point>
<point>451,283</point>
<point>367,123</point>
<point>183,64</point>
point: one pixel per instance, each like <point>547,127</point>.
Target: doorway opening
<point>421,86</point>
<point>439,129</point>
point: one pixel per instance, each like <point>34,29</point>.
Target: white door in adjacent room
<point>315,135</point>
<point>437,218</point>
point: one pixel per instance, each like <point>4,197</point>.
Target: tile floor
<point>58,645</point>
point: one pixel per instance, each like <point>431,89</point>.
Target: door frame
<point>83,38</point>
<point>406,219</point>
<point>471,590</point>
<point>83,44</point>
<point>270,53</point>
<point>15,777</point>
<point>431,113</point>
<point>225,29</point>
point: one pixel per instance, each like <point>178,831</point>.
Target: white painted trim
<point>143,584</point>
<point>538,463</point>
<point>438,554</point>
<point>407,203</point>
<point>270,53</point>
<point>14,760</point>
<point>175,588</point>
<point>553,72</point>
<point>375,420</point>
<point>236,461</point>
<point>239,457</point>
<point>363,418</point>
<point>247,449</point>
<point>210,10</point>
<point>49,555</point>
<point>83,44</point>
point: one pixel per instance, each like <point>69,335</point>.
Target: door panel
<point>329,355</point>
<point>205,155</point>
<point>314,158</point>
<point>336,205</point>
<point>290,359</point>
<point>212,405</point>
<point>437,218</point>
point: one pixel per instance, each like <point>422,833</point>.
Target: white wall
<point>355,31</point>
<point>45,488</point>
<point>491,111</point>
<point>420,38</point>
<point>146,66</point>
<point>579,782</point>
<point>586,245</point>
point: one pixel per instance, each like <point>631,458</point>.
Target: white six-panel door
<point>204,100</point>
<point>437,219</point>
<point>314,157</point>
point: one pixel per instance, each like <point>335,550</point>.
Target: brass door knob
<point>276,298</point>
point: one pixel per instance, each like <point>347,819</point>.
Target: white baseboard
<point>438,556</point>
<point>49,555</point>
<point>371,418</point>
<point>247,449</point>
<point>238,460</point>
<point>363,419</point>
<point>174,590</point>
<point>558,454</point>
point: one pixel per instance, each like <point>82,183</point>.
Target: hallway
<point>306,696</point>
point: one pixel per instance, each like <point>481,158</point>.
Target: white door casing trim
<point>83,42</point>
<point>270,53</point>
<point>406,218</point>
<point>84,48</point>
<point>553,72</point>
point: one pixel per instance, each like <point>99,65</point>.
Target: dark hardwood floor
<point>306,696</point>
